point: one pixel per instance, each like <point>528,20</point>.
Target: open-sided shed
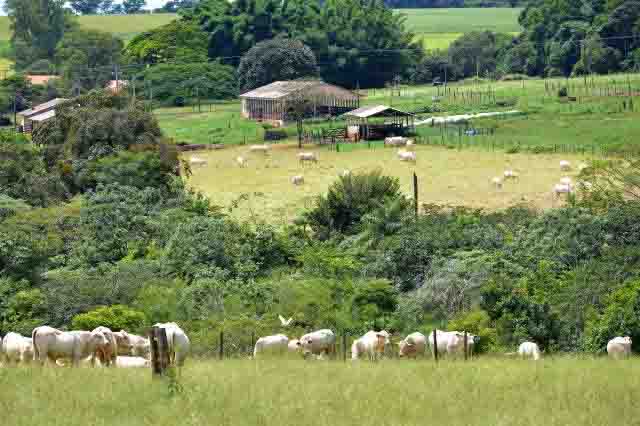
<point>378,122</point>
<point>272,102</point>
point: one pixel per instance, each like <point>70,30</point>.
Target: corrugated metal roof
<point>280,89</point>
<point>42,107</point>
<point>44,116</point>
<point>372,111</point>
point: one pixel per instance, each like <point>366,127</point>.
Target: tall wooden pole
<point>415,193</point>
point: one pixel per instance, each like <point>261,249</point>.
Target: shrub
<point>476,322</point>
<point>563,92</point>
<point>116,317</point>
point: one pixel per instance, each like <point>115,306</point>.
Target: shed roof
<point>376,111</point>
<point>43,116</point>
<point>38,109</point>
<point>280,89</point>
<point>41,79</point>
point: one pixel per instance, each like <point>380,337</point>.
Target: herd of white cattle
<point>104,347</point>
<point>99,347</point>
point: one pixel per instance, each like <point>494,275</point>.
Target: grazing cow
<point>241,161</point>
<point>271,345</point>
<point>132,345</point>
<point>395,141</point>
<point>51,344</point>
<point>566,180</point>
<point>372,344</point>
<point>107,354</point>
<point>318,343</point>
<point>413,345</point>
<point>196,161</point>
<point>497,182</point>
<point>452,342</point>
<point>529,350</point>
<point>619,347</point>
<point>17,349</point>
<point>179,344</point>
<point>260,148</point>
<point>294,345</point>
<point>565,165</point>
<point>561,188</point>
<point>404,155</point>
<point>307,157</point>
<point>297,180</point>
<point>132,362</point>
<point>511,175</point>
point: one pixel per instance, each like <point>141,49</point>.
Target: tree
<point>37,27</point>
<point>86,7</point>
<point>477,53</point>
<point>116,317</point>
<point>106,7</point>
<point>299,107</point>
<point>276,59</point>
<point>179,41</point>
<point>86,57</point>
<point>133,6</point>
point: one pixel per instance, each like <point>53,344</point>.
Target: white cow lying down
<point>132,345</point>
<point>179,344</point>
<point>16,349</point>
<point>271,345</point>
<point>132,362</point>
<point>619,347</point>
<point>318,343</point>
<point>371,344</point>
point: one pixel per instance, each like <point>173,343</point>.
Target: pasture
<point>486,391</point>
<point>457,177</point>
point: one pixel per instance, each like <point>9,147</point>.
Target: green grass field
<point>462,20</point>
<point>488,392</point>
<point>124,26</point>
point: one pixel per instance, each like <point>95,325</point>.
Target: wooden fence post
<point>159,351</point>
<point>435,345</point>
<point>465,345</point>
<point>253,342</point>
<point>415,193</point>
<point>221,348</point>
<point>344,347</point>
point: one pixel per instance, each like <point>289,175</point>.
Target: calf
<point>619,347</point>
<point>413,345</point>
<point>271,345</point>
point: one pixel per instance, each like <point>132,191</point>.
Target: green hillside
<point>422,21</point>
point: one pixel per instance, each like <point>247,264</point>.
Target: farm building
<point>378,122</point>
<point>273,102</point>
<point>41,80</point>
<point>39,113</point>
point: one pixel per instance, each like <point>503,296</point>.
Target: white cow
<point>566,180</point>
<point>529,350</point>
<point>107,353</point>
<point>451,342</point>
<point>241,161</point>
<point>17,349</point>
<point>297,180</point>
<point>497,182</point>
<point>511,175</point>
<point>276,344</point>
<point>305,157</point>
<point>372,344</point>
<point>561,188</point>
<point>132,362</point>
<point>196,161</point>
<point>565,165</point>
<point>413,345</point>
<point>52,344</point>
<point>395,141</point>
<point>179,344</point>
<point>132,345</point>
<point>294,345</point>
<point>404,155</point>
<point>318,343</point>
<point>619,347</point>
<point>260,148</point>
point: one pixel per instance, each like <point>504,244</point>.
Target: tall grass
<point>481,392</point>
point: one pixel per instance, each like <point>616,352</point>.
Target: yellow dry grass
<point>446,176</point>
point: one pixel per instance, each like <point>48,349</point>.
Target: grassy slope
<point>462,20</point>
<point>125,26</point>
<point>482,392</point>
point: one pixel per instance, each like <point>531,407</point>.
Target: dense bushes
<point>116,317</point>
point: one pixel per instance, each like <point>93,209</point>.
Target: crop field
<point>124,26</point>
<point>447,176</point>
<point>564,391</point>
